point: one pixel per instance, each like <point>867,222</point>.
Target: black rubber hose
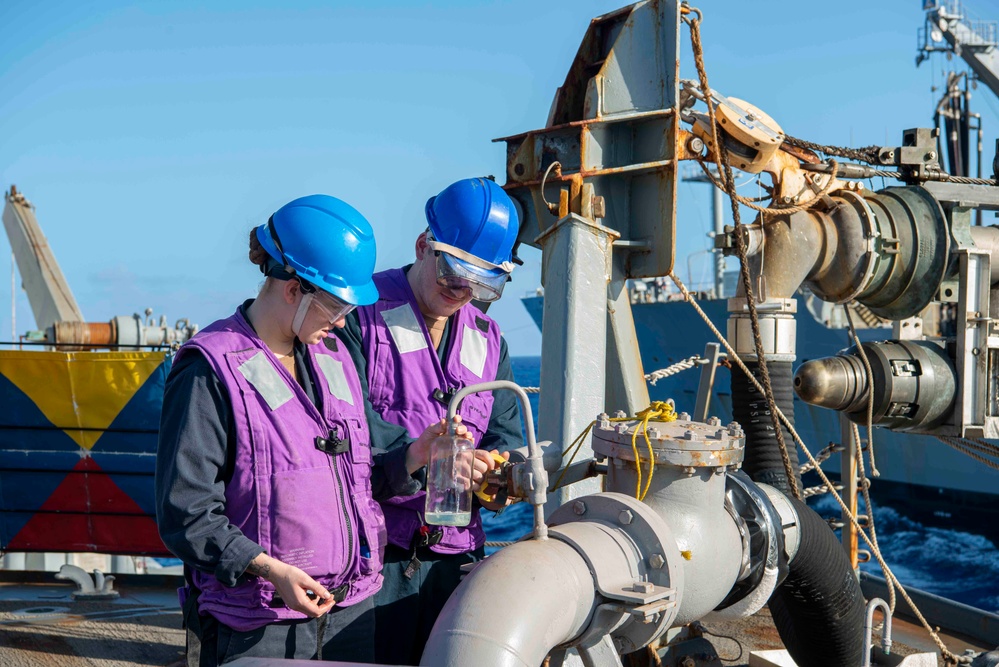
<point>819,609</point>
<point>763,462</point>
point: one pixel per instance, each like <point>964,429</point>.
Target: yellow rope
<point>661,411</point>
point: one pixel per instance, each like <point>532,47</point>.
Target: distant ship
<point>919,474</point>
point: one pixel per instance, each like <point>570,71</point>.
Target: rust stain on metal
<point>802,154</point>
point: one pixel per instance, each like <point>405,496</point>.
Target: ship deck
<point>41,625</point>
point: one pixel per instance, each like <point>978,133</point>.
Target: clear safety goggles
<point>455,274</point>
<point>332,308</point>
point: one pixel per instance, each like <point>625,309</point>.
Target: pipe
<point>987,238</point>
<point>819,609</point>
<point>830,250</point>
<point>539,495</point>
<point>547,578</point>
<point>869,629</point>
<point>793,249</point>
<point>693,506</point>
<point>818,621</point>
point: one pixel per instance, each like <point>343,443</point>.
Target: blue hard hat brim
<point>357,295</point>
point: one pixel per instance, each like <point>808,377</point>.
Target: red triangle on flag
<point>89,512</point>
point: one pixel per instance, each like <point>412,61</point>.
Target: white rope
<point>821,457</point>
<point>819,490</point>
<point>969,446</point>
<point>678,367</point>
<point>655,376</point>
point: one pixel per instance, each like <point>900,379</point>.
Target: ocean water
<point>956,564</point>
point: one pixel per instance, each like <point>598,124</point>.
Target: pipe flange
<point>766,539</point>
<point>635,564</point>
<point>868,259</point>
<point>779,306</point>
<point>681,443</point>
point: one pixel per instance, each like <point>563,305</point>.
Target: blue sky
<point>152,136</point>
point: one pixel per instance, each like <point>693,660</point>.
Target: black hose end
<point>819,609</point>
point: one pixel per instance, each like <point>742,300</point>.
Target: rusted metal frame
<point>605,120</point>
<point>526,151</point>
<point>848,477</point>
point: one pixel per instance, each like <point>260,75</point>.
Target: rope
<point>967,180</point>
<point>889,575</point>
<point>868,154</point>
<point>661,411</point>
<point>969,446</point>
<point>686,364</point>
<point>870,398</point>
<point>818,490</point>
<point>865,485</point>
<point>499,545</point>
<point>781,210</point>
<point>654,376</point>
<point>721,162</point>
<point>821,457</point>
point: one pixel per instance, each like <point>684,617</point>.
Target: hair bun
<point>258,255</point>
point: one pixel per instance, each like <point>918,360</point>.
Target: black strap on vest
<point>332,445</point>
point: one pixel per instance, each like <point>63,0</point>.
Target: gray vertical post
<point>706,386</point>
<point>716,210</point>
<point>626,386</point>
<point>575,272</point>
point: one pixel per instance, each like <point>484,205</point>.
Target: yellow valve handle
<point>487,497</point>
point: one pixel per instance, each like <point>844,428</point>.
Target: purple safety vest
<point>404,370</point>
<point>303,506</point>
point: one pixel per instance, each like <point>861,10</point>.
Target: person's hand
<point>293,585</point>
<point>418,454</point>
<point>484,463</point>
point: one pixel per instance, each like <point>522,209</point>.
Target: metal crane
<point>950,29</point>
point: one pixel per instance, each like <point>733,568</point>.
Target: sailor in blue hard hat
<point>419,343</point>
<point>264,479</point>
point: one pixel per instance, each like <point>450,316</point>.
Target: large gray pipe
<point>514,608</point>
<point>888,250</point>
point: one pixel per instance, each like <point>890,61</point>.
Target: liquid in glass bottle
<point>449,481</point>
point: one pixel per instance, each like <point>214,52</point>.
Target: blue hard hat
<point>478,217</point>
<point>328,243</point>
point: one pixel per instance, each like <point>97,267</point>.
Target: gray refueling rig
<point>653,524</point>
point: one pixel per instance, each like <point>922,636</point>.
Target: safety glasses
<point>455,274</point>
<point>331,308</point>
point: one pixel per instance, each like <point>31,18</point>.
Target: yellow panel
<point>79,389</point>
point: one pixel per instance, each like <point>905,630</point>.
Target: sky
<point>152,136</point>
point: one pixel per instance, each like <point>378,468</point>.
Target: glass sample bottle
<point>449,481</point>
